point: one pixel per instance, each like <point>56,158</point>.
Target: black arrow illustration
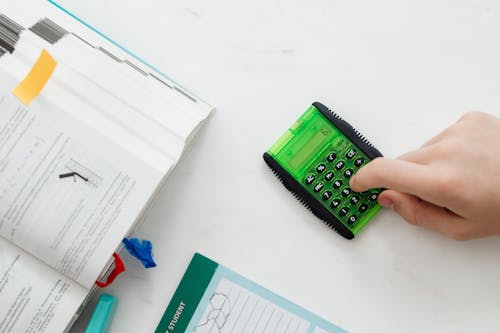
<point>74,175</point>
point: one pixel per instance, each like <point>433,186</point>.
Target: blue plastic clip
<point>140,249</point>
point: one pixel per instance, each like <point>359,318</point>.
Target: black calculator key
<point>348,173</point>
<point>329,176</point>
<point>344,211</point>
<point>339,165</point>
<point>318,187</point>
<point>373,197</point>
<point>331,157</point>
<point>363,208</point>
<point>350,154</point>
<point>335,203</point>
<point>346,192</point>
<point>352,219</point>
<point>327,195</point>
<point>310,179</point>
<point>355,200</point>
<point>359,162</point>
<point>337,184</point>
<point>321,168</point>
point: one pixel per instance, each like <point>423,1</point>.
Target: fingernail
<point>386,202</point>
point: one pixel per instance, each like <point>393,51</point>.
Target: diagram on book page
<point>76,170</point>
<point>58,198</point>
<point>232,308</point>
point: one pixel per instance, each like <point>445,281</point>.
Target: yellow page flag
<point>36,79</point>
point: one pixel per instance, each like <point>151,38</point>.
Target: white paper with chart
<point>213,299</point>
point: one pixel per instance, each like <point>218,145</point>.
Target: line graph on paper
<point>233,308</point>
<point>91,177</point>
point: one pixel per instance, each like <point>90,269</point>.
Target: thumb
<point>424,214</point>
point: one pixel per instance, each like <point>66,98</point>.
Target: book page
<point>89,105</point>
<point>35,298</point>
<point>66,201</point>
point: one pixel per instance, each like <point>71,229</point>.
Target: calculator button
<point>321,168</point>
<point>352,219</point>
<point>318,187</point>
<point>310,179</point>
<point>363,208</point>
<point>348,173</point>
<point>344,211</point>
<point>329,176</point>
<point>354,200</point>
<point>326,195</point>
<point>339,165</point>
<point>373,197</point>
<point>359,162</point>
<point>346,192</point>
<point>337,184</point>
<point>331,157</point>
<point>350,154</point>
<point>335,203</point>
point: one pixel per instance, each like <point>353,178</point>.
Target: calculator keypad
<point>373,197</point>
<point>310,179</point>
<point>328,179</point>
<point>352,219</point>
<point>344,211</point>
<point>359,162</point>
<point>321,168</point>
<point>354,200</point>
<point>350,154</point>
<point>339,165</point>
<point>363,208</point>
<point>335,203</point>
<point>327,195</point>
<point>318,187</point>
<point>329,176</point>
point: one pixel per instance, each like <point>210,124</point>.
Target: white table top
<point>399,70</point>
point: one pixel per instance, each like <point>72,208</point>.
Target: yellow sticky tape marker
<point>36,79</point>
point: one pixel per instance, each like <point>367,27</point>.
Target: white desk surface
<point>399,70</point>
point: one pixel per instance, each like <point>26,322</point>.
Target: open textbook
<point>81,164</point>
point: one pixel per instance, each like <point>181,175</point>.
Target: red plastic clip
<point>119,268</point>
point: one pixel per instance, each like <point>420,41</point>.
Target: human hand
<point>450,185</point>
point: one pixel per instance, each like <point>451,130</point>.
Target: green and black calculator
<point>315,159</point>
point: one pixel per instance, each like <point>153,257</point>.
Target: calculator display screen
<point>303,142</point>
<point>309,149</point>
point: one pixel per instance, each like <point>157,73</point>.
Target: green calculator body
<point>315,158</point>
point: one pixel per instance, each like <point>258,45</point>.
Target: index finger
<point>394,174</point>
